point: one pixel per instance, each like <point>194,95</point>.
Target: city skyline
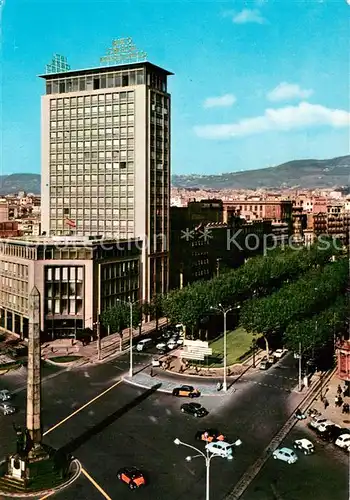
<point>253,90</point>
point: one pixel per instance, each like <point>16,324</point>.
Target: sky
<point>255,83</point>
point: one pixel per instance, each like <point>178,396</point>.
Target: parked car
<point>132,477</point>
<point>220,448</point>
<point>172,343</point>
<point>279,353</point>
<point>186,391</point>
<point>264,364</point>
<point>7,409</point>
<point>304,445</point>
<point>143,344</point>
<point>161,346</point>
<point>331,433</point>
<point>317,421</point>
<point>209,435</point>
<point>323,425</point>
<point>286,455</point>
<point>5,395</point>
<point>194,409</point>
<point>343,441</point>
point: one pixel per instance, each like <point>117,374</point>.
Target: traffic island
<point>42,471</point>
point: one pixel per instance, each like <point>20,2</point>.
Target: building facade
<point>106,159</point>
<point>77,278</point>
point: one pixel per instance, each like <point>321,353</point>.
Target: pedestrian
<point>336,401</point>
<point>151,372</point>
<point>340,401</point>
<point>326,403</point>
<point>339,390</point>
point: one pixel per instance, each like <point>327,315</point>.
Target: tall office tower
<point>106,159</point>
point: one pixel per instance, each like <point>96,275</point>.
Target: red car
<point>131,476</point>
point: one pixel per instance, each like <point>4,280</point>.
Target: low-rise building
<point>77,278</point>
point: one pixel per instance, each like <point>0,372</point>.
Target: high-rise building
<point>106,159</point>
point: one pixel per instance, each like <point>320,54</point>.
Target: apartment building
<point>77,278</point>
<point>106,159</point>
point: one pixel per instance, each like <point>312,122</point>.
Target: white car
<point>286,455</point>
<point>304,445</point>
<point>143,344</point>
<point>343,441</point>
<point>220,448</point>
<point>323,426</point>
<point>279,353</point>
<point>172,343</point>
<point>161,346</point>
<point>5,395</point>
<point>317,421</point>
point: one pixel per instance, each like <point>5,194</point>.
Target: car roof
<point>186,387</point>
<point>220,444</point>
<point>288,450</point>
<point>194,405</point>
<point>344,436</point>
<point>304,442</point>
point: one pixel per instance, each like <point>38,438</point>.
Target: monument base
<point>42,468</point>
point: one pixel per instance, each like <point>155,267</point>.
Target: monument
<point>34,465</point>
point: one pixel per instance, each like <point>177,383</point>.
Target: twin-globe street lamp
<point>131,305</point>
<point>207,457</point>
<point>224,311</point>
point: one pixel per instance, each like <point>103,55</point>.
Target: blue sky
<point>256,83</point>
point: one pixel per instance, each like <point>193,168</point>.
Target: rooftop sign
<point>58,65</point>
<point>123,51</point>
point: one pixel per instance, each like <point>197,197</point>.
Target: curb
<point>167,391</point>
<point>69,364</point>
<point>48,492</point>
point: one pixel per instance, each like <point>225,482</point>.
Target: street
<point>131,426</point>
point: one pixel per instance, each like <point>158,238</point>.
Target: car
<point>323,425</point>
<point>343,441</point>
<point>285,454</point>
<point>186,391</point>
<point>161,346</point>
<point>7,409</point>
<point>156,362</point>
<point>132,477</point>
<point>5,395</point>
<point>172,343</point>
<point>194,409</point>
<point>317,421</point>
<point>279,353</point>
<point>220,448</point>
<point>209,435</point>
<point>304,445</point>
<point>264,364</point>
<point>143,344</point>
<point>331,433</point>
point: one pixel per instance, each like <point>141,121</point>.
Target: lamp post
<point>207,458</point>
<point>224,311</point>
<point>131,305</point>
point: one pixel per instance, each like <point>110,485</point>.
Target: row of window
<point>13,301</point>
<point>118,286</point>
<point>108,234</point>
<point>64,307</point>
<point>120,120</point>
<point>118,269</point>
<point>107,201</point>
<point>122,224</point>
<point>95,82</point>
<point>64,273</point>
<point>72,191</point>
<point>116,109</point>
<point>92,167</point>
<point>94,156</point>
<point>73,102</point>
<point>19,270</point>
<point>87,144</point>
<point>17,286</point>
<point>20,251</point>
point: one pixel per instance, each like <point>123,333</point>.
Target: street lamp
<point>207,457</point>
<point>131,305</point>
<point>224,311</point>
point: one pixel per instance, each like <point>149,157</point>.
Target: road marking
<point>82,408</point>
<point>48,495</point>
<point>97,486</point>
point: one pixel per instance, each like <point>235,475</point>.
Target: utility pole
<point>98,328</point>
<point>300,381</point>
<point>131,319</point>
<point>254,346</point>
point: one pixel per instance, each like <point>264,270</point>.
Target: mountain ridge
<point>308,174</point>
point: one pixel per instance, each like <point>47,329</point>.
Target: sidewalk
<point>110,345</point>
<point>332,412</point>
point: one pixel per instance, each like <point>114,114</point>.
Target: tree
<point>117,317</point>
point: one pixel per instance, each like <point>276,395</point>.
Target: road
<point>131,426</point>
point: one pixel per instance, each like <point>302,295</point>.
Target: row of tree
<point>260,276</point>
<point>296,301</point>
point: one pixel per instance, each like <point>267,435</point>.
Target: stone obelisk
<point>34,371</point>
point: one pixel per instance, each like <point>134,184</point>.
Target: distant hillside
<point>297,173</point>
<point>30,183</point>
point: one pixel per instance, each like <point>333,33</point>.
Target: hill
<point>30,183</point>
<point>298,173</point>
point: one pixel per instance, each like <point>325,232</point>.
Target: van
<point>143,344</point>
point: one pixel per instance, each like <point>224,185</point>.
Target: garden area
<point>239,343</point>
